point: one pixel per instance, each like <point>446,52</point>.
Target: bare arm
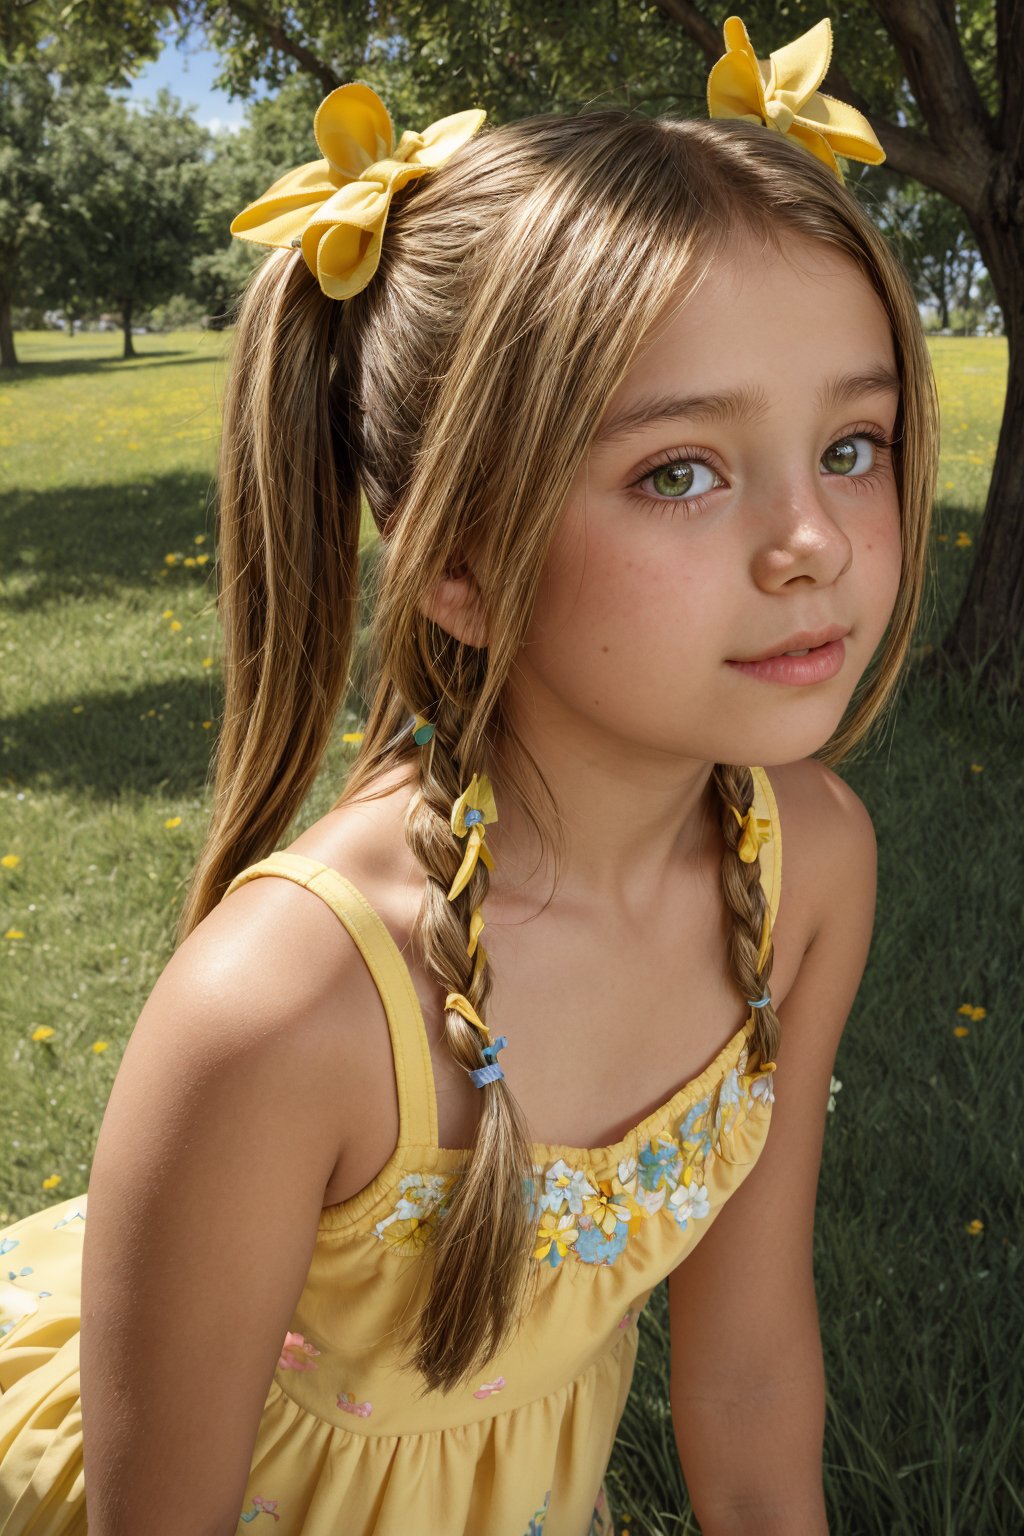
<point>747,1376</point>
<point>216,1147</point>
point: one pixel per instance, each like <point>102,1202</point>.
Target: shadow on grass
<point>28,372</point>
<point>115,748</point>
<point>101,541</point>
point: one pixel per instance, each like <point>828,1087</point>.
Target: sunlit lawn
<point>110,700</point>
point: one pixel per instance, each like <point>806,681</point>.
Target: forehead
<point>762,324</point>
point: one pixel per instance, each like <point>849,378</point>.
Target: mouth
<point>801,644</point>
<point>814,664</point>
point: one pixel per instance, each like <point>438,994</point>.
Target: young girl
<point>634,404</point>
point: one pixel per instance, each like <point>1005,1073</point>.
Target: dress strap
<point>414,1075</point>
<point>770,852</point>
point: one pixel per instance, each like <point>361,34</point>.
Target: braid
<point>483,1247</point>
<point>745,899</point>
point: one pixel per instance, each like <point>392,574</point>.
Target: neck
<point>635,821</point>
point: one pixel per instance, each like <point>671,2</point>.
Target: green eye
<point>842,458</point>
<point>673,479</point>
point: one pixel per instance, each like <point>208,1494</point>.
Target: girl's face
<point>700,534</point>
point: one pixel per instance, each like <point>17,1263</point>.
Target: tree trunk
<point>8,356</point>
<point>126,318</point>
<point>988,627</point>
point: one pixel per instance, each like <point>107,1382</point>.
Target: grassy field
<point>110,700</point>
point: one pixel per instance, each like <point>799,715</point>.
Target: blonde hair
<point>460,391</point>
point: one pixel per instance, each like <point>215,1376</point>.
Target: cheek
<point>614,606</point>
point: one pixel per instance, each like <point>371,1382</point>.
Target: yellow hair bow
<point>459,1003</point>
<point>336,208</point>
<point>783,94</point>
<point>471,811</point>
<point>756,830</point>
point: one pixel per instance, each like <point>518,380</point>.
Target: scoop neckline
<point>612,1152</point>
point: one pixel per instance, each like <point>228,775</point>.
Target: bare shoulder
<point>829,846</point>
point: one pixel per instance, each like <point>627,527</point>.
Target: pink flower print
<point>490,1387</point>
<point>347,1402</point>
<point>268,1506</point>
<point>626,1320</point>
<point>291,1359</point>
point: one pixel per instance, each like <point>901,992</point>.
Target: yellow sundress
<point>344,1446</point>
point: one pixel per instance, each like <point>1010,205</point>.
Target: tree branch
<point>271,29</point>
<point>704,33</point>
<point>927,41</point>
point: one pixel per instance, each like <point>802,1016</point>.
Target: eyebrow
<point>742,403</point>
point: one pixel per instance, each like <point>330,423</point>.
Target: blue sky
<point>189,73</point>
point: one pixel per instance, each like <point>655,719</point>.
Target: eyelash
<point>696,505</point>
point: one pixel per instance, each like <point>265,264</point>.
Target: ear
<point>455,603</point>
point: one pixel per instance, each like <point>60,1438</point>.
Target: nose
<point>799,536</point>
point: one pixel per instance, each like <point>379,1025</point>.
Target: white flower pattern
<point>588,1213</point>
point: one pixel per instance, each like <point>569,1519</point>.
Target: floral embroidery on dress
<point>267,1506</point>
<point>295,1347</point>
<point>490,1387</point>
<point>601,1521</point>
<point>595,1217</point>
<point>423,1200</point>
<point>347,1402</point>
<point>538,1518</point>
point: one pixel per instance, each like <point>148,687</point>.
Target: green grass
<point>108,478</point>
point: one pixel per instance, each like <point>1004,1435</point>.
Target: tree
<point>26,98</point>
<point>127,193</point>
<point>46,45</point>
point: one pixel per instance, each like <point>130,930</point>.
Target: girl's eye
<point>680,480</point>
<point>854,455</point>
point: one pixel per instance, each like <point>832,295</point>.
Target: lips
<point>806,639</point>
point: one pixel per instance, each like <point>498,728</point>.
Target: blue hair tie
<point>762,1002</point>
<point>490,1073</point>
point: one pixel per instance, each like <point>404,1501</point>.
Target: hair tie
<point>335,209</point>
<point>782,93</point>
<point>471,813</point>
<point>489,1074</point>
<point>421,728</point>
<point>761,1002</point>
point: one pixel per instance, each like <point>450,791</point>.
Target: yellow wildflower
<point>207,661</point>
<point>977,767</point>
<point>52,1181</point>
<point>175,626</point>
<point>43,1032</point>
<point>168,613</point>
<point>353,736</point>
<point>98,1046</point>
<point>200,538</point>
<point>76,709</point>
<point>14,933</point>
<point>11,860</point>
<point>960,1030</point>
<point>189,560</point>
<point>201,559</point>
<point>963,540</point>
<point>974,1227</point>
<point>170,559</point>
<point>207,724</point>
<point>173,821</point>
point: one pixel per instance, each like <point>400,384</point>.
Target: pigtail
<point>287,561</point>
<point>745,898</point>
<point>482,1249</point>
